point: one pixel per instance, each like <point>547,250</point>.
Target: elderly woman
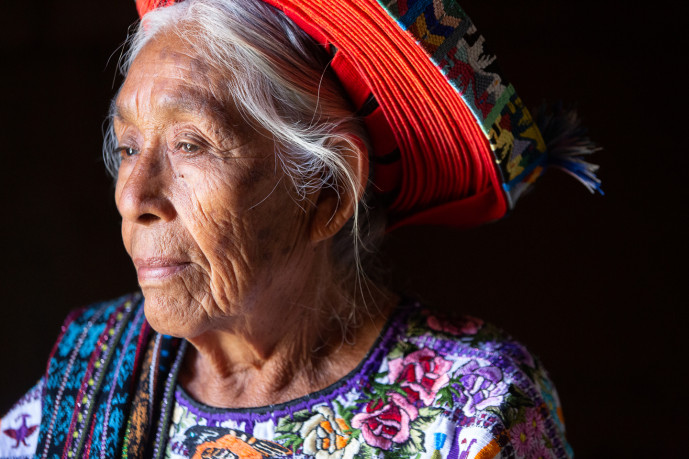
<point>261,149</point>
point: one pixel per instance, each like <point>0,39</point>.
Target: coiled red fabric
<point>433,163</point>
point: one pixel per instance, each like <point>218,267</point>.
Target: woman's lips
<point>152,269</point>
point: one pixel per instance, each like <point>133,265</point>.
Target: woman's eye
<point>126,151</point>
<point>188,147</point>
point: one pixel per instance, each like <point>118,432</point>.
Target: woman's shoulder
<point>468,387</point>
<point>78,370</point>
<point>19,428</point>
<point>464,337</point>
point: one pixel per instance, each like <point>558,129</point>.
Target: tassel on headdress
<point>568,144</point>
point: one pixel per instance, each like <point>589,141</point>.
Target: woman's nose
<point>144,189</point>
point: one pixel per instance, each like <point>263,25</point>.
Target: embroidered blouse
<point>430,387</point>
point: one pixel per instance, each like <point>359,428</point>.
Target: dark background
<point>594,285</point>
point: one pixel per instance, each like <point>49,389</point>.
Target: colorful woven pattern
<point>453,43</point>
<point>87,397</point>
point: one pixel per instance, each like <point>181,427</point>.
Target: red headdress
<point>453,144</point>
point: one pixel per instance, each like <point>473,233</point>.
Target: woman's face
<point>207,215</point>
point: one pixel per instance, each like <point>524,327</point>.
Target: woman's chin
<point>174,315</point>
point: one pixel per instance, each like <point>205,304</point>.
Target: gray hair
<point>280,80</point>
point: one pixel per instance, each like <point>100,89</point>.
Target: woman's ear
<point>335,206</point>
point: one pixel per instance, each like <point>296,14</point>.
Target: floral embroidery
<point>327,436</point>
<point>385,424</point>
<point>534,422</point>
<point>321,433</point>
<point>527,432</point>
<point>421,374</point>
<point>482,387</point>
<point>521,439</point>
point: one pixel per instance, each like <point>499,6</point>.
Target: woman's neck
<point>272,360</point>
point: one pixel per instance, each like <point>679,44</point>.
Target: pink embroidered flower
<point>465,326</point>
<point>385,424</point>
<point>421,374</point>
<point>534,422</point>
<point>520,437</point>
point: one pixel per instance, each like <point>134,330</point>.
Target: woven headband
<point>452,142</point>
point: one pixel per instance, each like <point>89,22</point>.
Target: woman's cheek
<point>127,237</point>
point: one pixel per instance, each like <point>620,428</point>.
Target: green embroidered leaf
<point>401,349</point>
<point>367,451</point>
<point>517,398</point>
<point>380,375</point>
<point>399,454</point>
<point>445,397</point>
<point>427,414</point>
<point>414,444</point>
<point>346,413</point>
<point>418,330</point>
<point>338,406</point>
<point>290,441</point>
<point>512,416</point>
<point>396,353</point>
<point>302,416</point>
<point>293,423</point>
<point>417,325</point>
<point>285,425</point>
<point>453,389</point>
<point>379,388</point>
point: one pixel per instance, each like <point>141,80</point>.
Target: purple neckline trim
<point>353,380</point>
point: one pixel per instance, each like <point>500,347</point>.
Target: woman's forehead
<point>168,77</point>
<point>164,97</point>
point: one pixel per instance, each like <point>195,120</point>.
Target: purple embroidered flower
<point>421,374</point>
<point>385,424</point>
<point>466,326</point>
<point>482,386</point>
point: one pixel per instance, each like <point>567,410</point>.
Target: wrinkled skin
<point>197,195</point>
<point>225,255</point>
